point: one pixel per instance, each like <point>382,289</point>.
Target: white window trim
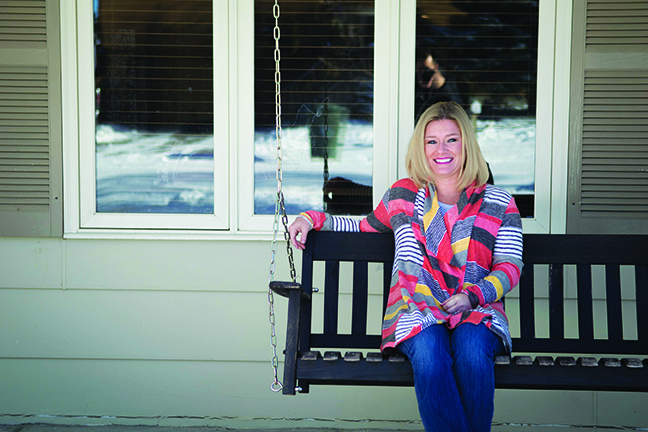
<point>79,133</point>
<point>562,74</point>
<point>544,120</point>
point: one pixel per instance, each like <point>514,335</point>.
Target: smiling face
<point>444,150</point>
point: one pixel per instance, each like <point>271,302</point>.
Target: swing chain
<point>280,208</point>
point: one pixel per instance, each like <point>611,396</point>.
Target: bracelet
<point>307,218</point>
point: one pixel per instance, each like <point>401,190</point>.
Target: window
<point>483,55</point>
<point>327,89</point>
<point>154,125</point>
<point>160,138</point>
<point>548,128</point>
<point>150,115</point>
<point>336,71</point>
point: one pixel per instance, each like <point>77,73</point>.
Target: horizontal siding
<point>136,325</point>
<point>165,353</point>
<point>221,395</point>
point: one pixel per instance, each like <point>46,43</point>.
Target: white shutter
<point>30,201</point>
<point>609,146</point>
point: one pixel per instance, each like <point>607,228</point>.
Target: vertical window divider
<point>221,19</point>
<point>560,155</point>
<point>406,81</point>
<point>540,223</point>
<point>387,88</point>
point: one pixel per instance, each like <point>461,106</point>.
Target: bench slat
<point>556,302</point>
<point>527,303</point>
<point>613,302</point>
<point>345,341</point>
<point>306,309</point>
<point>511,376</point>
<point>585,306</point>
<point>579,346</point>
<point>584,249</point>
<point>331,297</point>
<point>354,246</point>
<point>641,290</point>
<point>360,297</point>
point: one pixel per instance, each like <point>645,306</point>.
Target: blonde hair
<point>418,167</point>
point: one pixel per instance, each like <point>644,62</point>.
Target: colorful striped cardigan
<point>474,249</point>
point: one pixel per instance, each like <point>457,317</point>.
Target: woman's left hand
<point>456,304</point>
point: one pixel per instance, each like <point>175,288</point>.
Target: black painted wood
<point>557,251</point>
<point>360,297</point>
<point>527,304</point>
<point>585,305</point>
<point>292,341</point>
<point>331,297</point>
<point>641,296</point>
<point>613,301</point>
<point>513,376</point>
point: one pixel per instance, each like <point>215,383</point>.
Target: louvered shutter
<point>30,143</point>
<point>608,190</point>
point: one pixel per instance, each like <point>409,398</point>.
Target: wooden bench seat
<point>585,362</point>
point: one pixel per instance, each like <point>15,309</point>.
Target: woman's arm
<point>299,228</point>
<point>377,221</point>
<point>506,265</point>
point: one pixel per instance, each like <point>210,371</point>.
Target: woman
<point>458,252</point>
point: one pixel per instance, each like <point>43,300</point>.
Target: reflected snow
<point>303,175</point>
<point>154,173</point>
<point>172,173</point>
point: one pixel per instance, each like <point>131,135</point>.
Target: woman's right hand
<point>299,227</point>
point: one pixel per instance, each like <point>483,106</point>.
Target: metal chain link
<point>280,208</point>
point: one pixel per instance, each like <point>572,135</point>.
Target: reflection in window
<point>327,55</point>
<point>154,106</point>
<point>483,55</point>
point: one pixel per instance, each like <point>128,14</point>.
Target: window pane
<point>154,106</point>
<point>483,55</point>
<point>327,55</point>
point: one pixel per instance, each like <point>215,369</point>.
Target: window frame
<point>79,133</point>
<point>234,121</point>
<point>384,156</point>
<point>551,126</point>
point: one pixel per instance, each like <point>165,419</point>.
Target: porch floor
<point>40,427</point>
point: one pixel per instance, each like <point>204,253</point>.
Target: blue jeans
<point>454,376</point>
